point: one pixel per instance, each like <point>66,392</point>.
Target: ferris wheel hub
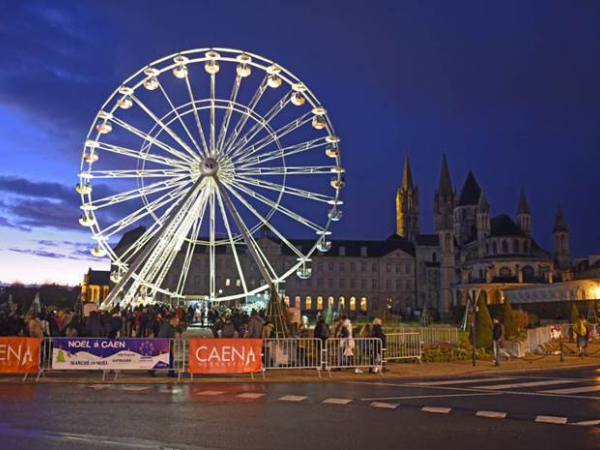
<point>209,167</point>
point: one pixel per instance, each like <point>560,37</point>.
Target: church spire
<point>560,223</point>
<point>523,207</point>
<point>445,184</point>
<point>407,182</point>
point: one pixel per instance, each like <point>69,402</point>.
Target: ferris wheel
<point>209,149</point>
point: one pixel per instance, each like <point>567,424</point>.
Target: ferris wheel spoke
<point>212,246</point>
<point>191,247</point>
<point>140,155</point>
<point>278,207</point>
<point>148,209</point>
<point>196,116</point>
<point>260,125</point>
<point>274,136</point>
<point>153,188</point>
<point>194,156</point>
<point>262,87</point>
<point>213,119</point>
<point>176,112</point>
<point>260,259</point>
<point>135,173</point>
<point>288,170</point>
<point>232,242</point>
<point>282,153</point>
<point>263,220</point>
<point>228,112</point>
<point>286,189</point>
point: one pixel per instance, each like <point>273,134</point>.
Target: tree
<point>574,313</point>
<point>483,324</point>
<point>510,324</point>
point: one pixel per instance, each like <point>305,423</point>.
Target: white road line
<point>491,414</point>
<point>527,384</point>
<point>551,419</point>
<point>384,405</point>
<point>251,395</point>
<point>436,409</point>
<point>463,381</point>
<point>576,390</point>
<point>135,388</point>
<point>210,393</point>
<point>293,398</point>
<point>586,423</point>
<point>408,397</point>
<point>337,401</point>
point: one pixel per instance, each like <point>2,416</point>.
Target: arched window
<point>330,302</point>
<point>447,242</point>
<point>352,303</point>
<point>505,271</point>
<point>504,247</point>
<point>319,303</point>
<point>363,304</point>
<point>308,302</point>
<point>297,302</point>
<point>528,274</point>
<point>516,247</point>
<point>286,299</point>
<point>464,214</point>
<point>494,247</point>
<point>342,303</point>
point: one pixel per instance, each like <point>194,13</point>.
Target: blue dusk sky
<point>507,89</point>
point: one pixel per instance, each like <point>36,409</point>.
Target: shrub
<point>574,313</point>
<point>522,319</point>
<point>483,324</point>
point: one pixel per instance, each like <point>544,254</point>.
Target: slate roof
<point>469,195</point>
<point>99,277</point>
<point>503,225</point>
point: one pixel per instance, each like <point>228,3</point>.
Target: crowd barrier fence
<point>403,346</point>
<point>298,354</point>
<point>353,353</point>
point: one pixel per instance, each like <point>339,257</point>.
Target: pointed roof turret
<point>483,205</point>
<point>469,195</point>
<point>445,185</point>
<point>523,207</point>
<point>407,182</point>
<point>560,224</point>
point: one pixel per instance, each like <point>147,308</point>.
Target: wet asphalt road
<point>293,416</point>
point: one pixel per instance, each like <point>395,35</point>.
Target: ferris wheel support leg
<point>117,290</point>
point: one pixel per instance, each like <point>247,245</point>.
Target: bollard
<point>562,353</point>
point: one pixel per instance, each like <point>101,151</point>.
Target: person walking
<point>377,332</point>
<point>581,329</point>
<point>255,325</point>
<point>498,341</point>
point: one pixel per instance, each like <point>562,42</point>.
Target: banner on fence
<point>19,355</point>
<point>225,355</point>
<point>110,354</point>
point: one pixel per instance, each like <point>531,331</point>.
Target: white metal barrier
<point>403,346</point>
<point>432,335</point>
<point>353,353</point>
<point>292,353</point>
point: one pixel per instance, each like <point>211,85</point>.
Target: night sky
<point>509,90</point>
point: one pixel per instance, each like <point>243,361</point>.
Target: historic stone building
<point>471,252</point>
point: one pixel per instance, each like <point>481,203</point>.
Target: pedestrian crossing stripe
<point>576,390</point>
<point>293,398</point>
<point>337,401</point>
<point>210,393</point>
<point>527,384</point>
<point>251,395</point>
<point>463,381</point>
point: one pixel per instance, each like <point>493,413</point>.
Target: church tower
<point>524,215</point>
<point>561,241</point>
<point>483,218</point>
<point>407,205</point>
<point>444,202</point>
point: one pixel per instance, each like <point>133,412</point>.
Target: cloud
<point>58,249</point>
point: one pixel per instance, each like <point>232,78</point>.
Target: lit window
<point>238,282</point>
<point>227,282</point>
<point>363,304</point>
<point>342,303</point>
<point>297,302</point>
<point>308,303</point>
<point>319,303</point>
<point>352,303</point>
<point>330,302</point>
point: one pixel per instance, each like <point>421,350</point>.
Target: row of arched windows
<point>319,303</point>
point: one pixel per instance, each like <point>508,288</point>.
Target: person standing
<point>581,330</point>
<point>255,325</point>
<point>377,332</point>
<point>498,338</point>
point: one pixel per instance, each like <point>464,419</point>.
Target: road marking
<point>384,405</point>
<point>527,384</point>
<point>252,395</point>
<point>551,419</point>
<point>98,387</point>
<point>576,390</point>
<point>210,393</point>
<point>135,388</point>
<point>491,414</point>
<point>436,409</point>
<point>408,397</point>
<point>337,401</point>
<point>463,381</point>
<point>586,423</point>
<point>293,398</point>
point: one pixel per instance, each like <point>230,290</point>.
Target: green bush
<point>510,324</point>
<point>483,324</point>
